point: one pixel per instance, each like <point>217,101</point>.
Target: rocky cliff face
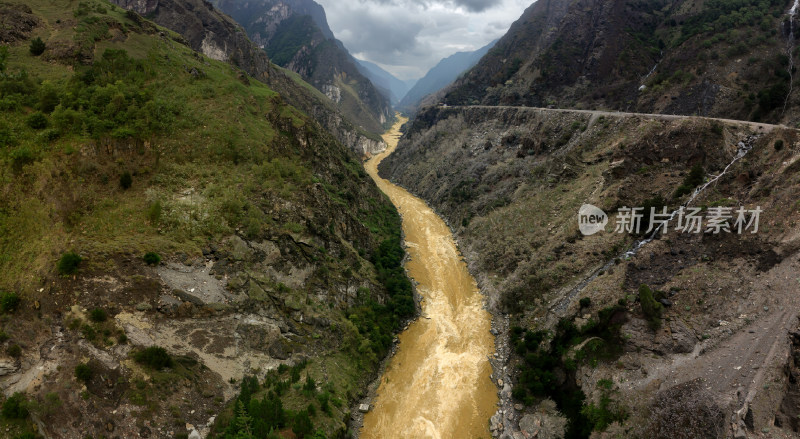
<point>296,35</point>
<point>511,181</point>
<point>217,36</point>
<point>716,59</point>
<point>207,30</point>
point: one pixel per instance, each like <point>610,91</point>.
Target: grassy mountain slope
<point>218,36</point>
<point>117,141</point>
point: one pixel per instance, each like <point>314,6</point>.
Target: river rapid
<point>437,385</point>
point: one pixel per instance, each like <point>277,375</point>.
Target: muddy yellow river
<point>437,385</point>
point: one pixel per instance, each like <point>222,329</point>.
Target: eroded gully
<point>437,385</point>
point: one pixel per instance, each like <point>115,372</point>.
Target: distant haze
<point>408,37</point>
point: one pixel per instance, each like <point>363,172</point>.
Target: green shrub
<point>123,133</point>
<point>778,145</point>
<point>37,46</point>
<point>585,302</point>
<point>67,120</point>
<point>9,302</point>
<point>69,262</point>
<point>83,372</point>
<point>88,332</point>
<point>310,385</point>
<point>125,180</point>
<point>302,425</point>
<point>324,399</point>
<point>692,180</point>
<point>3,57</point>
<point>650,307</point>
<point>607,411</point>
<point>681,191</point>
<point>37,120</point>
<point>154,212</point>
<point>49,97</point>
<point>696,176</point>
<point>98,315</point>
<point>7,135</point>
<point>154,357</point>
<point>151,258</point>
<point>16,407</point>
<point>47,136</point>
<point>14,351</point>
<point>75,324</point>
<point>23,155</point>
<point>772,97</point>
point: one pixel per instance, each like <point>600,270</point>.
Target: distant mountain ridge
<point>441,75</point>
<point>295,34</point>
<point>395,88</point>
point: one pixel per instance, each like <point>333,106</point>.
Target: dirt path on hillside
<point>764,127</point>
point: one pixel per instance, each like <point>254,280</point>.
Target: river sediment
<point>438,382</point>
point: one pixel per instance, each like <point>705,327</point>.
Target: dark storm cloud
<point>478,5</point>
<point>380,34</point>
<point>469,5</point>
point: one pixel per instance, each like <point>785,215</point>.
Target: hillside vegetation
<point>128,160</point>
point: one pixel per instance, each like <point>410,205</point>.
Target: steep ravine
<point>510,182</point>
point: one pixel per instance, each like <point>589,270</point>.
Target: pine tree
<point>37,46</point>
<point>302,425</point>
<point>241,423</point>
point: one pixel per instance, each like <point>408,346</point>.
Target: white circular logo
<point>591,219</point>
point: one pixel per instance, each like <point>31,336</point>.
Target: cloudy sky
<point>408,37</point>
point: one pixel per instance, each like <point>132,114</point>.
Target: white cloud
<point>408,37</point>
